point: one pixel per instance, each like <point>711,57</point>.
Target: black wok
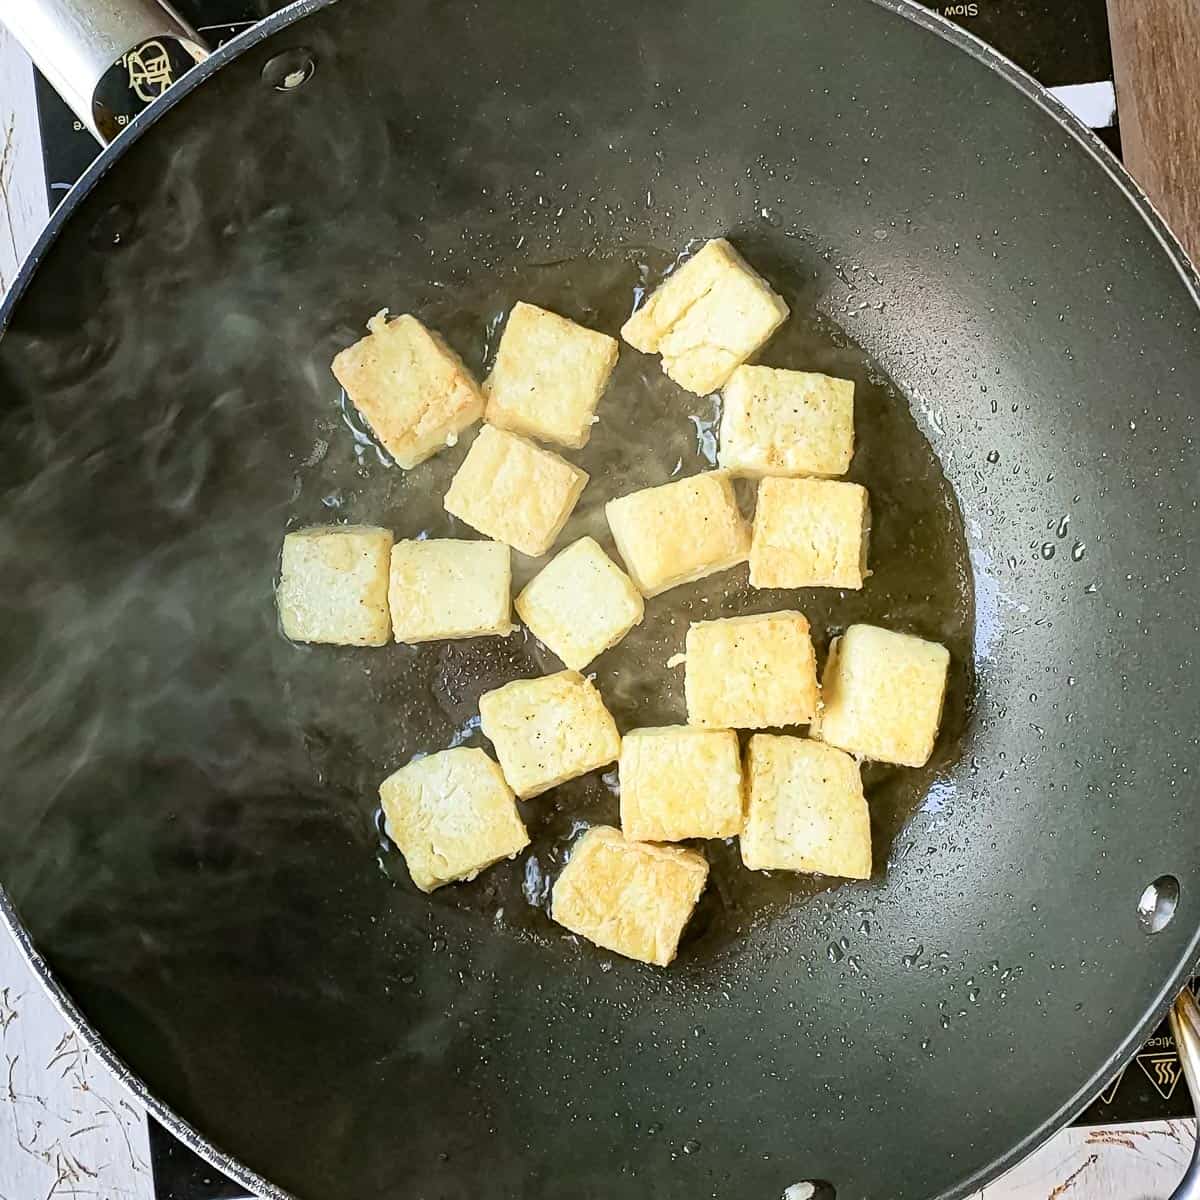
<point>188,831</point>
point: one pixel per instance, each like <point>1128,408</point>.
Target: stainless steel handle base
<point>75,43</point>
<point>1185,1025</point>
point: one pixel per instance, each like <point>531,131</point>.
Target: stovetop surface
<point>1062,43</point>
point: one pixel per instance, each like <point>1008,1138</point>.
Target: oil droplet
<point>910,960</point>
<point>691,1146</point>
<point>993,456</point>
<point>973,995</point>
<point>1078,551</point>
<point>835,952</point>
<point>1063,522</point>
<point>1091,589</point>
<point>1047,550</point>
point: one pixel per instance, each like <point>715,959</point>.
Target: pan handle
<point>1185,1025</point>
<point>76,42</point>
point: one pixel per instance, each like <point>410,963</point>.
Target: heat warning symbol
<point>1163,1071</point>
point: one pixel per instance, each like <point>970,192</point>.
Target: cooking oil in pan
<point>371,712</point>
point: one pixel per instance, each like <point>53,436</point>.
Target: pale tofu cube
<point>410,387</point>
<point>549,376</point>
<point>679,532</point>
<point>754,672</point>
<point>451,815</point>
<point>706,318</point>
<point>442,588</point>
<point>633,898</point>
<point>548,730</point>
<point>580,604</point>
<point>679,782</point>
<point>810,533</point>
<point>776,422</point>
<point>514,491</point>
<point>883,695</point>
<point>333,584</point>
<point>805,809</point>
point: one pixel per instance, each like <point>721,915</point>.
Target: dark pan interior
<point>188,827</point>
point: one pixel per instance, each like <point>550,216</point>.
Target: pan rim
<point>910,10</point>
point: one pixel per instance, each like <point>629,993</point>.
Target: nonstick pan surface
<point>189,829</point>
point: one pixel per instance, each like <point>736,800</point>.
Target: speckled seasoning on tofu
<point>333,585</point>
<point>706,318</point>
<point>443,588</point>
<point>883,694</point>
<point>680,782</point>
<point>452,815</point>
<point>805,809</point>
<point>410,387</point>
<point>777,422</point>
<point>548,730</point>
<point>513,491</point>
<point>580,604</point>
<point>549,376</point>
<point>810,533</point>
<point>752,672</point>
<point>634,898</point>
<point>679,532</point>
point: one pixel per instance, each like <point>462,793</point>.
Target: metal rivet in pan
<point>1158,903</point>
<point>287,71</point>
<point>809,1190</point>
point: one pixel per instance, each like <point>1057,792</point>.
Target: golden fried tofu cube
<point>443,588</point>
<point>680,782</point>
<point>805,809</point>
<point>548,730</point>
<point>883,695</point>
<point>776,422</point>
<point>754,672</point>
<point>514,491</point>
<point>630,897</point>
<point>451,815</point>
<point>410,387</point>
<point>580,604</point>
<point>810,533</point>
<point>549,376</point>
<point>706,318</point>
<point>679,532</point>
<point>333,585</point>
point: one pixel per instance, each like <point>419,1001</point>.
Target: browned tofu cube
<point>514,491</point>
<point>549,376</point>
<point>680,782</point>
<point>452,815</point>
<point>633,898</point>
<point>809,533</point>
<point>752,672</point>
<point>883,694</point>
<point>805,809</point>
<point>410,387</point>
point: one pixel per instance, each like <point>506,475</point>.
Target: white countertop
<point>67,1128</point>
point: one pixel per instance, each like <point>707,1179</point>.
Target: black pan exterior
<point>216,912</point>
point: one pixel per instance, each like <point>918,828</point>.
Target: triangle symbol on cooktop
<point>1109,1093</point>
<point>1163,1071</point>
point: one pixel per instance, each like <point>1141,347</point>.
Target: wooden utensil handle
<point>1156,64</point>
